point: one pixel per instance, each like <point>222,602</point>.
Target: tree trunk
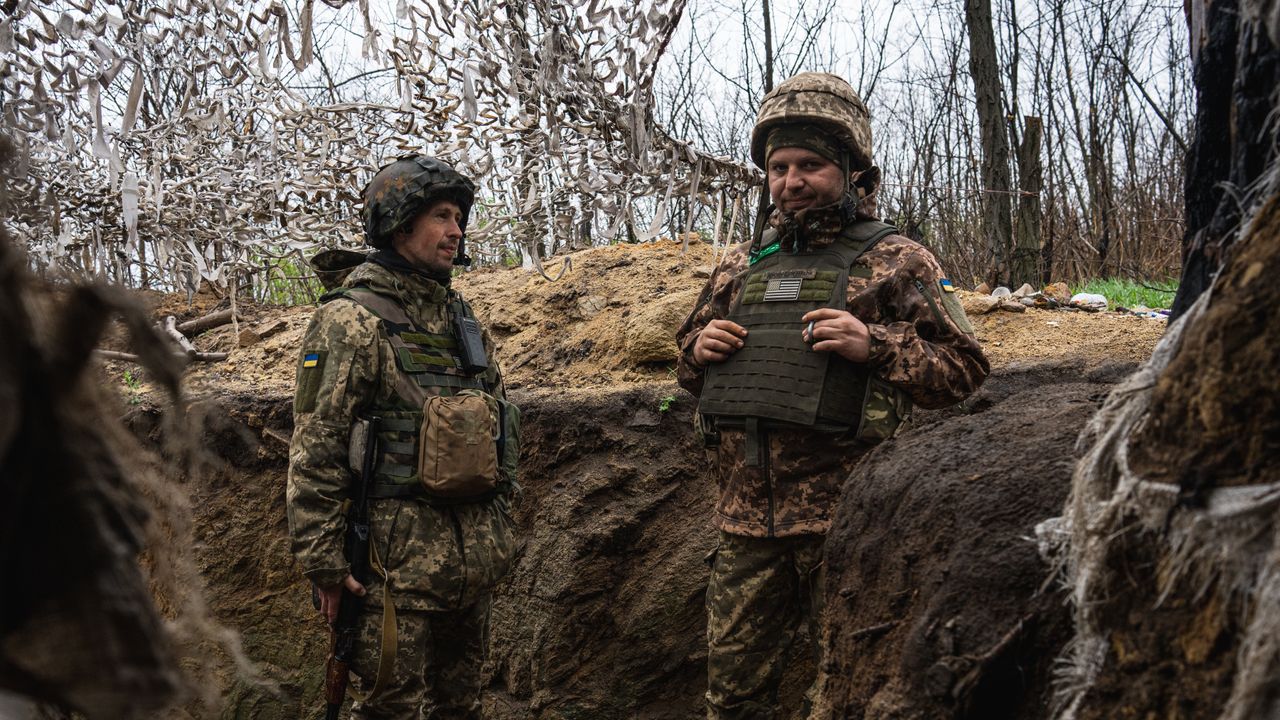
<point>997,227</point>
<point>768,86</point>
<point>1023,268</point>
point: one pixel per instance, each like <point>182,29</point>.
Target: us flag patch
<point>783,290</point>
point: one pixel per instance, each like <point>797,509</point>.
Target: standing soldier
<point>807,346</point>
<point>397,344</point>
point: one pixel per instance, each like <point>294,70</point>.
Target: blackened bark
<point>1230,147</point>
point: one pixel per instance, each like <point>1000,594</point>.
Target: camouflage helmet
<point>821,99</point>
<point>402,190</point>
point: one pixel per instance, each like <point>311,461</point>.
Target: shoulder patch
<point>953,307</point>
<point>310,371</point>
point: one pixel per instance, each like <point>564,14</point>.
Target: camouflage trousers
<point>436,675</point>
<point>760,591</point>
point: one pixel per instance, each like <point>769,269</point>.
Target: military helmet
<point>821,99</point>
<point>403,189</point>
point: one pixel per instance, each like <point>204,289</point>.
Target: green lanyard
<point>758,255</point>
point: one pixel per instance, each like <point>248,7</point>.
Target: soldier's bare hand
<point>717,341</point>
<point>331,596</point>
<point>837,331</point>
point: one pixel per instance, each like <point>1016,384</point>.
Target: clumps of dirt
<point>578,328</point>
<point>1216,410</point>
<point>937,601</point>
<point>1172,538</point>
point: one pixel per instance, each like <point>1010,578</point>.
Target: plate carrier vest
<point>431,364</point>
<point>775,380</point>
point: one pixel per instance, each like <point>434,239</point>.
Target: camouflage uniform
<point>773,515</point>
<point>440,561</point>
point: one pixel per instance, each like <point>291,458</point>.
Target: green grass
<point>1131,293</point>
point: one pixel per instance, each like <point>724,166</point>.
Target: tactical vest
<point>429,365</point>
<point>775,379</point>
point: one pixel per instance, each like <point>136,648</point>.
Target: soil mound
<point>597,325</point>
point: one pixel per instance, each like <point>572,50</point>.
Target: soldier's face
<point>432,240</point>
<point>800,178</point>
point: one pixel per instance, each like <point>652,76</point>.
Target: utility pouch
<point>457,446</point>
<point>705,429</point>
<point>884,409</point>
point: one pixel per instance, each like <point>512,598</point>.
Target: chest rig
<point>775,380</point>
<point>428,364</point>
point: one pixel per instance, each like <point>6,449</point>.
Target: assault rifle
<point>364,439</point>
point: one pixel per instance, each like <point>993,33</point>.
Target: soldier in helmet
<point>807,346</point>
<point>395,341</point>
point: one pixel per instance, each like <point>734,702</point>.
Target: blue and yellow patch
<point>946,285</point>
<point>310,360</point>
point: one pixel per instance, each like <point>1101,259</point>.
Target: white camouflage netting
<point>177,140</point>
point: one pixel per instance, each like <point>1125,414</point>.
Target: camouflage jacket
<point>437,558</point>
<point>915,344</point>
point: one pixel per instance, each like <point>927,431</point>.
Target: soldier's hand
<point>331,596</point>
<point>717,341</point>
<point>831,330</point>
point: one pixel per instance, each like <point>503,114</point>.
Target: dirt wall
<point>938,605</point>
<point>602,616</point>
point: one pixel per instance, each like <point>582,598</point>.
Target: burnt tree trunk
<point>1230,146</point>
<point>997,224</point>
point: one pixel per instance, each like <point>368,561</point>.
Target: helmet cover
<point>820,99</point>
<point>405,188</point>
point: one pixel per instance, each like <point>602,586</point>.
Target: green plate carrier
<point>776,379</point>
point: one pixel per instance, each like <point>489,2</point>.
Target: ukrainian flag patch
<point>310,360</point>
<point>946,285</point>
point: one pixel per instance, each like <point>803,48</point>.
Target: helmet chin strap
<point>461,258</point>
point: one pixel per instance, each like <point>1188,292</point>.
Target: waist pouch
<point>458,444</point>
<point>884,409</point>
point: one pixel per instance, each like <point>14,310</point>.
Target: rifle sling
<point>390,642</point>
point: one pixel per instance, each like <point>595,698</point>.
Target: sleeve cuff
<point>878,346</point>
<point>327,577</point>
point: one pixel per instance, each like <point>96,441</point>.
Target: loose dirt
<point>573,331</point>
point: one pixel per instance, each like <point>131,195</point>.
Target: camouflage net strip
<point>178,140</point>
